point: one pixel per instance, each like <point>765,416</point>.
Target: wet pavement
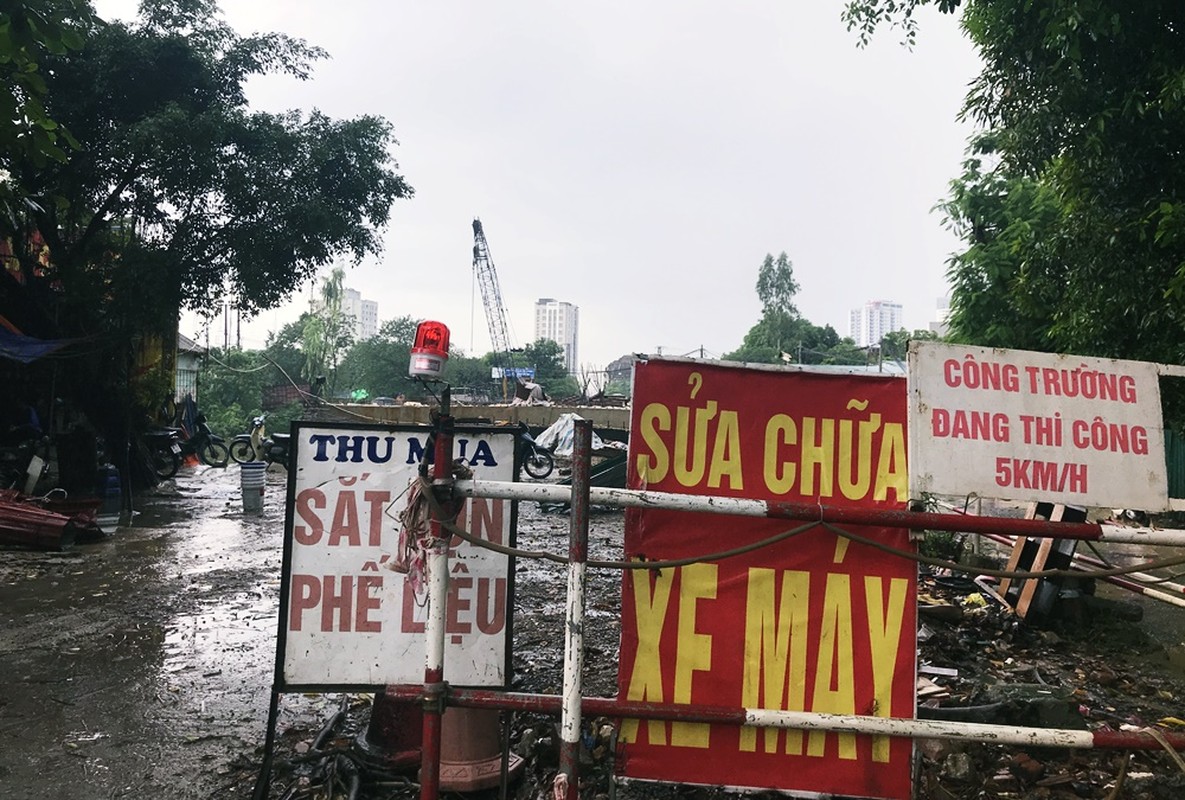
<point>140,666</point>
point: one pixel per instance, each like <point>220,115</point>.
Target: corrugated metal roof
<point>187,345</point>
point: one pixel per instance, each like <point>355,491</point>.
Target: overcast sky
<point>637,159</point>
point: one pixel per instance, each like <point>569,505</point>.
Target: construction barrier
<point>884,729</point>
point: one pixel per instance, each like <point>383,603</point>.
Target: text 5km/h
<point>1052,476</point>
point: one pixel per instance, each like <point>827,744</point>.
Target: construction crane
<point>491,296</point>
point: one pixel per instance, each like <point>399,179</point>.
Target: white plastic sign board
<point>347,617</point>
<point>1032,426</point>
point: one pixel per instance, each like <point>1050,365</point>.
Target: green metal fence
<point>1174,456</point>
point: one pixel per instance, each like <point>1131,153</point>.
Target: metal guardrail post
<point>435,689</point>
<point>567,780</point>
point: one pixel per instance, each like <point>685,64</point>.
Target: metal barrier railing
<point>435,694</point>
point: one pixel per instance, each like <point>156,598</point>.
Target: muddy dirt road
<point>140,666</point>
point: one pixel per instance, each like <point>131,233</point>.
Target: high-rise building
<point>364,313</point>
<point>941,326</point>
<point>873,320</point>
<point>558,321</point>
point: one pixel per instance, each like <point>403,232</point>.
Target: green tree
<point>779,331</point>
<point>776,286</point>
<point>895,345</point>
<point>1071,206</point>
<point>285,351</point>
<point>232,389</point>
<point>327,335</point>
<point>31,30</point>
<point>401,329</point>
<point>181,189</point>
<point>179,192</point>
<point>782,335</point>
<point>378,365</point>
<point>473,374</point>
<point>547,358</point>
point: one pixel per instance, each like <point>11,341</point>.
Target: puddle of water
<point>216,665</point>
<point>220,635</point>
<point>1163,621</point>
<point>217,543</point>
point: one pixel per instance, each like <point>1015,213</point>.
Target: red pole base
<point>471,750</point>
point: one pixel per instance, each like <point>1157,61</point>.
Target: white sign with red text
<point>347,617</point>
<point>1035,426</point>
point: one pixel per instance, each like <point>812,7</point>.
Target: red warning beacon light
<point>430,350</point>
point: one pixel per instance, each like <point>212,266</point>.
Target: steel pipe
<point>568,778</point>
<point>807,720</point>
<point>836,515</point>
<point>1132,582</point>
<point>434,629</point>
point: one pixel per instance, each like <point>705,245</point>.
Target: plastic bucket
<point>110,491</point>
<point>253,481</point>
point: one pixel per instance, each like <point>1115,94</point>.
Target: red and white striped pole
<point>836,515</point>
<point>807,720</point>
<point>567,779</point>
<point>434,690</point>
<point>1132,582</point>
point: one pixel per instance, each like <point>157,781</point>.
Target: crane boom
<point>491,296</point>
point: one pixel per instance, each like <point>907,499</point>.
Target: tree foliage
<point>782,335</point>
<point>547,357</point>
<point>30,31</point>
<point>231,389</point>
<point>776,286</point>
<point>865,16</point>
<point>378,365</point>
<point>180,192</point>
<point>285,349</point>
<point>895,344</point>
<point>328,334</point>
<point>1071,206</point>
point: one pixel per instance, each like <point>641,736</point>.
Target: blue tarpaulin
<point>24,349</point>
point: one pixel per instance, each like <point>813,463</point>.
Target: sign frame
<point>1030,426</point>
<point>801,581</point>
<point>508,461</point>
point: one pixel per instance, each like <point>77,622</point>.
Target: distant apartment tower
<point>873,320</point>
<point>365,314</point>
<point>941,326</point>
<point>558,321</point>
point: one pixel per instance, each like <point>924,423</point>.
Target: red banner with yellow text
<point>811,623</point>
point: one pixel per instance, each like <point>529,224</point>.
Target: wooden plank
<point>1017,549</point>
<point>1030,584</point>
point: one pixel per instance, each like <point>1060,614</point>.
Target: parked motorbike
<point>210,448</point>
<point>275,449</point>
<point>167,448</point>
<point>164,451</point>
<point>537,461</point>
<point>259,446</point>
<point>243,446</point>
